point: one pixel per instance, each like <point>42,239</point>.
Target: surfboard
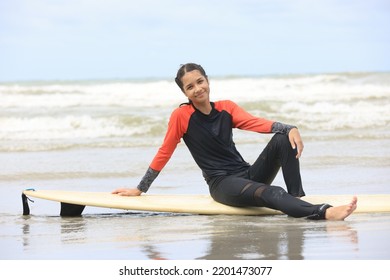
<point>73,203</point>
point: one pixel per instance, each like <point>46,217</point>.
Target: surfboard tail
<point>67,209</point>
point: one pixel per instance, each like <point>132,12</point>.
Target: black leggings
<point>253,186</point>
<point>278,154</point>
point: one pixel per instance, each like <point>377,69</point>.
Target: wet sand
<point>143,236</point>
<point>105,239</point>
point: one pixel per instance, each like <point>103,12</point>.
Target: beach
<point>101,135</point>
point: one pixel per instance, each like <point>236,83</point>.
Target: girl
<point>206,128</point>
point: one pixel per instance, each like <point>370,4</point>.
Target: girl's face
<point>196,87</point>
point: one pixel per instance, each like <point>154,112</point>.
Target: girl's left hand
<point>296,141</point>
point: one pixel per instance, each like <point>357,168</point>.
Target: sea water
<point>101,135</point>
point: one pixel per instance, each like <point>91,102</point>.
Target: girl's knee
<point>280,139</point>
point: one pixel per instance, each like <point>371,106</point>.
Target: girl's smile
<point>196,88</point>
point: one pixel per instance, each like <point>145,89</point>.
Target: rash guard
<point>209,139</point>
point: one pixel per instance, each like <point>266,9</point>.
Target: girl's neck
<point>204,108</point>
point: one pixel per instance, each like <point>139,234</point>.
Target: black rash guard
<point>211,143</point>
<point>209,139</point>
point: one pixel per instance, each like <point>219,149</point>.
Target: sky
<point>127,39</point>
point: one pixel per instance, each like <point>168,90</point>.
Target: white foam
<point>108,94</point>
<point>67,128</point>
<point>67,113</point>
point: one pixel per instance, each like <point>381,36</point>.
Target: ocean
<point>99,135</point>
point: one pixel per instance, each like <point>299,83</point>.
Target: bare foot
<point>339,213</point>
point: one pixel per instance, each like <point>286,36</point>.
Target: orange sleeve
<point>245,121</point>
<point>177,126</point>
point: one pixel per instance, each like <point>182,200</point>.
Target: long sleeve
<point>147,180</point>
<point>244,120</point>
<point>177,126</point>
<point>281,128</point>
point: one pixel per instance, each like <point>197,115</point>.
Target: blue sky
<point>96,39</point>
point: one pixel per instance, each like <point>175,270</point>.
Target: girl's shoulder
<point>226,105</point>
<point>183,110</point>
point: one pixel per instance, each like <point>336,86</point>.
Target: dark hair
<point>188,67</point>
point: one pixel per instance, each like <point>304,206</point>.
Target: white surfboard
<point>193,204</point>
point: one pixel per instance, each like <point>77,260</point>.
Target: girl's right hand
<point>127,192</point>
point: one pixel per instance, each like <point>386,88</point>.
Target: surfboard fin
<point>71,210</point>
<point>26,208</point>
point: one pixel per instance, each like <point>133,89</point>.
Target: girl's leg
<point>278,153</point>
<point>277,198</point>
<point>241,192</point>
<point>234,190</point>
